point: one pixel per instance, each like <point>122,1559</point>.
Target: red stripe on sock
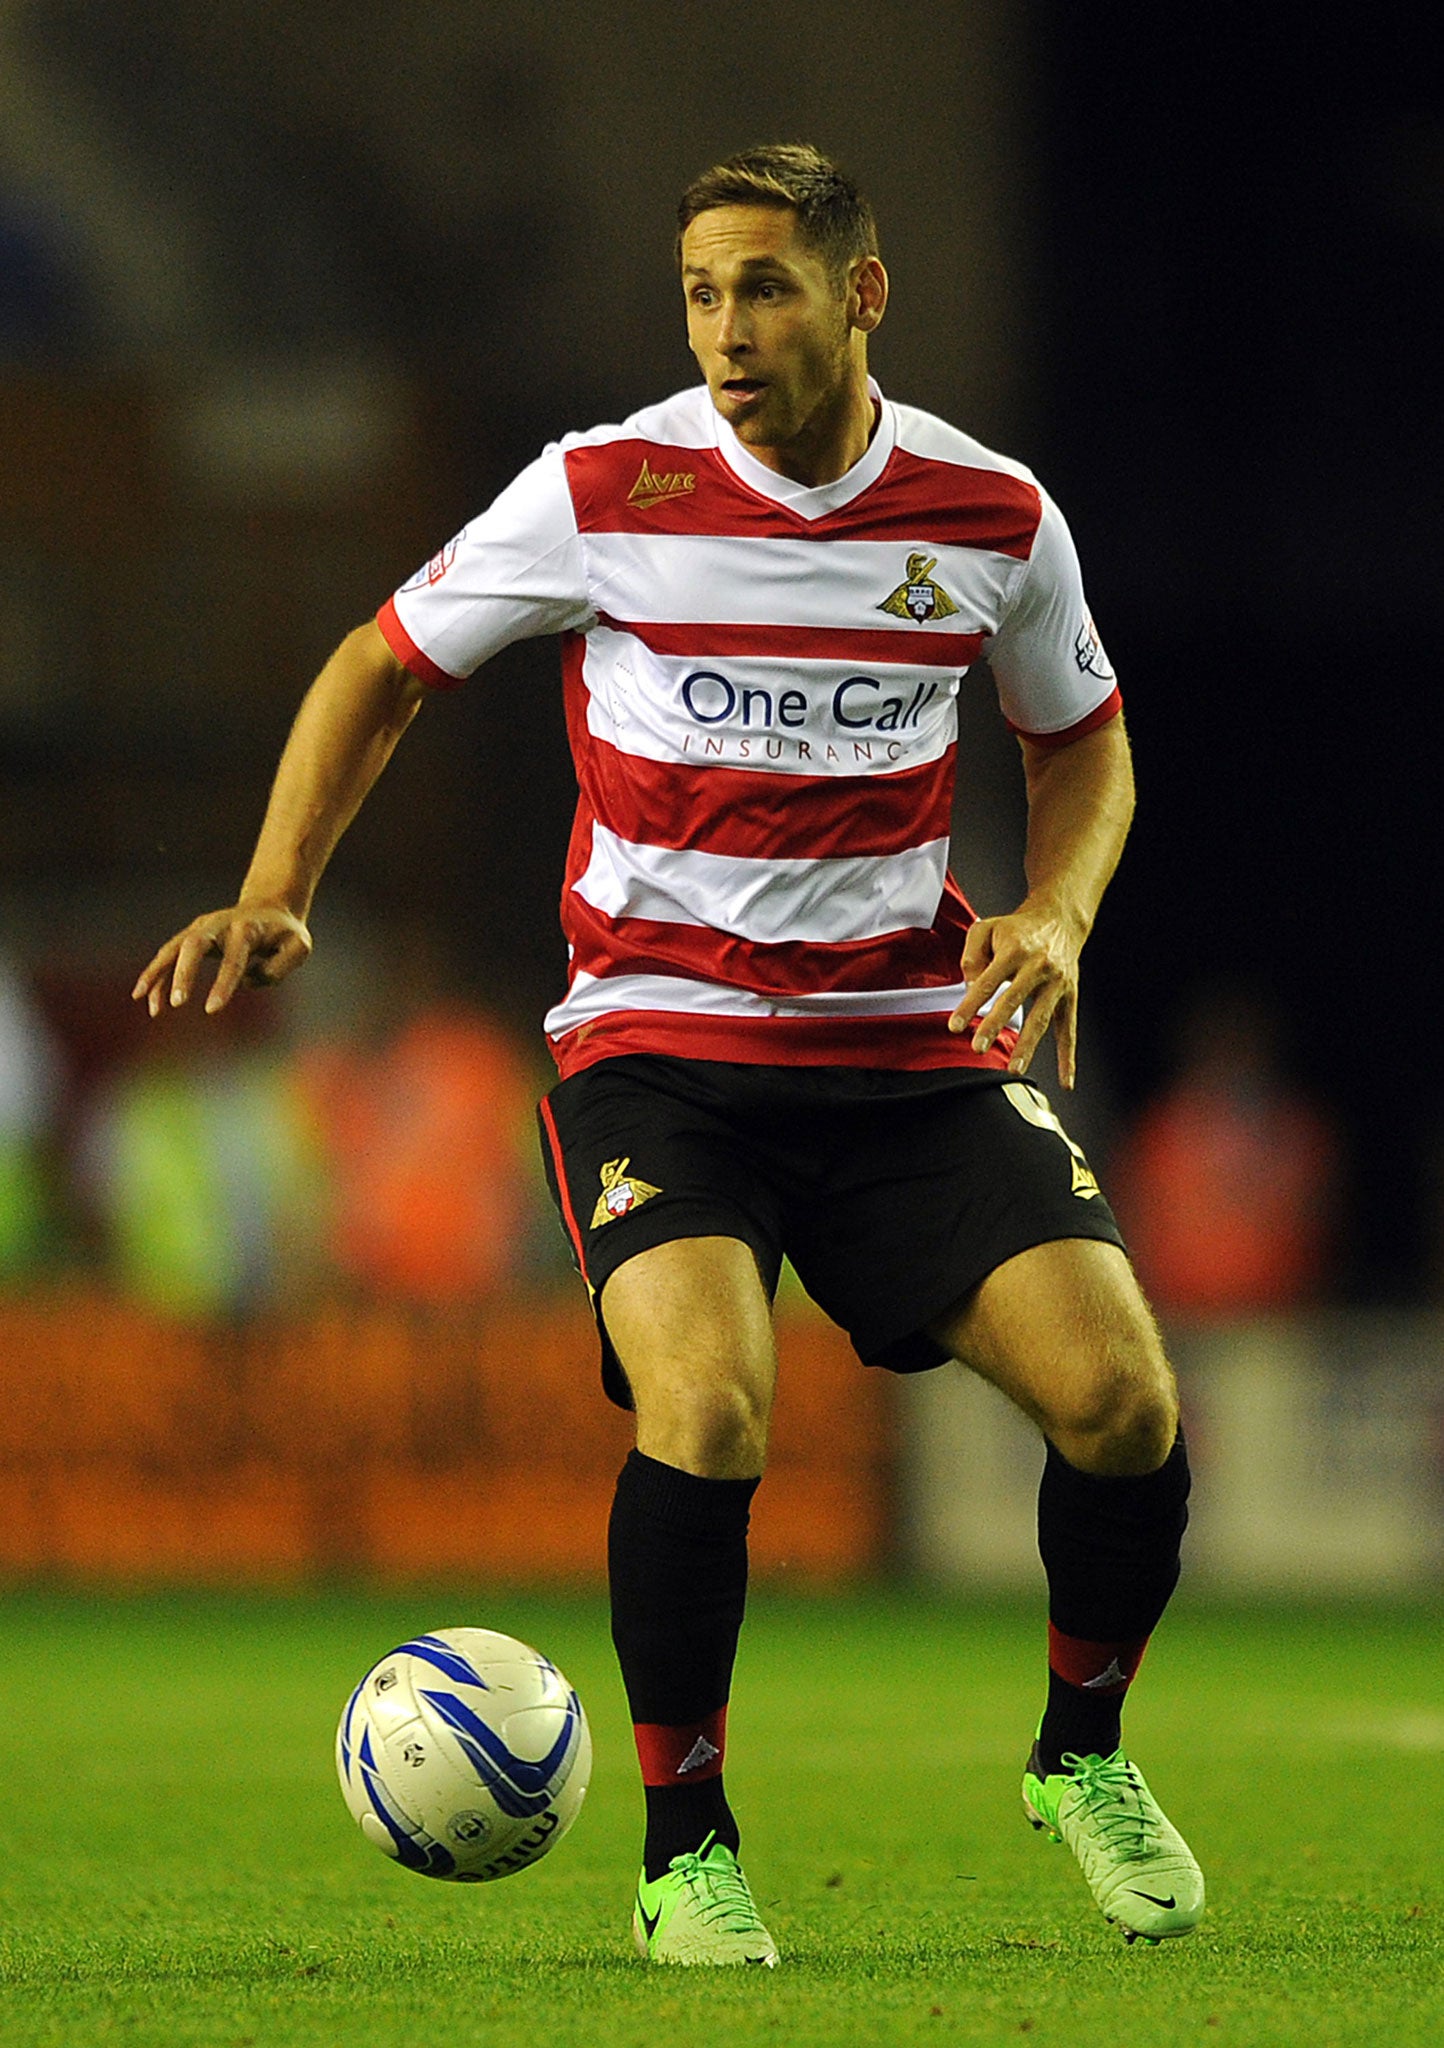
<point>1101,1668</point>
<point>682,1756</point>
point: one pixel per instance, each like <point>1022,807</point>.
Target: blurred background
<point>281,304</point>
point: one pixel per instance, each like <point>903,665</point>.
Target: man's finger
<point>997,988</point>
<point>235,959</point>
<point>978,948</point>
<point>1013,995</point>
<point>982,986</point>
<point>273,961</point>
<point>154,970</point>
<point>1065,1028</point>
<point>152,983</point>
<point>188,958</point>
<point>1035,1027</point>
<point>979,994</point>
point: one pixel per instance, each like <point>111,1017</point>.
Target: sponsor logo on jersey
<point>857,704</point>
<point>1088,652</point>
<point>621,1193</point>
<point>653,486</point>
<point>918,597</point>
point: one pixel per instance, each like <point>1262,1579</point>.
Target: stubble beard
<point>834,367</point>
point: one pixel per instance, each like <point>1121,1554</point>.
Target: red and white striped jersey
<point>761,683</point>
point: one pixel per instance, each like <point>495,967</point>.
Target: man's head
<point>779,261</point>
<point>834,219</point>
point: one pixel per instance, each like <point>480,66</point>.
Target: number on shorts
<point>1035,1108</point>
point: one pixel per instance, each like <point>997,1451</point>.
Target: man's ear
<point>867,295</point>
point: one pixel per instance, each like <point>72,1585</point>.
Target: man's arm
<point>348,724</point>
<point>1080,805</point>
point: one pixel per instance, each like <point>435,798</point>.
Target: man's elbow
<point>367,651</point>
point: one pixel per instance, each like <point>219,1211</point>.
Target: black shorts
<point>893,1194</point>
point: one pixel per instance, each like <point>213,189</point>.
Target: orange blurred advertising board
<point>381,1445</point>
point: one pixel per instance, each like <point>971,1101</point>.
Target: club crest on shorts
<point>621,1193</point>
<point>918,597</point>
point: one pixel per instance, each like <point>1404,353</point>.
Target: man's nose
<point>733,335</point>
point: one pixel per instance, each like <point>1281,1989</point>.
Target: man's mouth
<point>743,387</point>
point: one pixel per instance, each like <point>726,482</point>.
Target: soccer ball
<point>464,1754</point>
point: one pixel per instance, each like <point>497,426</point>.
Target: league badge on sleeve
<point>621,1193</point>
<point>918,597</point>
<point>433,571</point>
<point>1088,652</point>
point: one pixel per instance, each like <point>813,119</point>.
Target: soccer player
<point>785,1032</point>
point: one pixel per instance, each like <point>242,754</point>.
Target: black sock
<point>1110,1548</point>
<point>677,1559</point>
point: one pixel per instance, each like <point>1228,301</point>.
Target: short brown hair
<point>833,215</point>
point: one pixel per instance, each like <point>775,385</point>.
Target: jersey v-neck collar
<point>812,501</point>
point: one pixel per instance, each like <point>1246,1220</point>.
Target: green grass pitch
<point>176,1865</point>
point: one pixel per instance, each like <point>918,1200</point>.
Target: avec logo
<point>858,704</point>
<point>653,486</point>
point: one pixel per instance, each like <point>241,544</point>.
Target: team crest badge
<point>918,597</point>
<point>621,1193</point>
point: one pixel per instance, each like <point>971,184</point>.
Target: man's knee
<point>1064,1331</point>
<point>692,1327</point>
<point>715,1427</point>
<point>1120,1418</point>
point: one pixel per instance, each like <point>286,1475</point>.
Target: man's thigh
<point>644,1158</point>
<point>691,1324</point>
<point>1063,1329</point>
<point>926,1194</point>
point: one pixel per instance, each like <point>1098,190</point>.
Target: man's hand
<point>1080,800</point>
<point>349,722</point>
<point>256,943</point>
<point>1032,957</point>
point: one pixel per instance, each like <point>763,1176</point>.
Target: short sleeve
<point>1055,682</point>
<point>513,574</point>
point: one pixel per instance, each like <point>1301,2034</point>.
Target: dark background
<point>1243,290</point>
<point>1188,267</point>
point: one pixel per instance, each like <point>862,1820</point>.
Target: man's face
<point>767,322</point>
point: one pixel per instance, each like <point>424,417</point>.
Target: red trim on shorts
<point>664,1753</point>
<point>1105,1669</point>
<point>409,654</point>
<point>1108,709</point>
<point>554,1144</point>
<point>908,1043</point>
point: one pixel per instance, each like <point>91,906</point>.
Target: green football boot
<point>701,1911</point>
<point>1138,1866</point>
